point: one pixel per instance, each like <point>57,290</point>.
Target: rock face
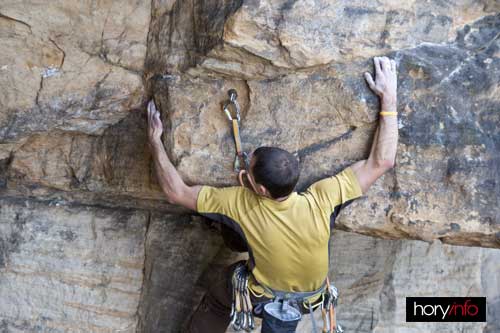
<point>69,268</point>
<point>374,276</point>
<point>445,184</point>
<point>75,67</point>
<point>87,241</point>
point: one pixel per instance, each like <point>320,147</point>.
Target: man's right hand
<point>385,84</point>
<point>155,126</point>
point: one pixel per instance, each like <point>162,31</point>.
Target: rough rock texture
<point>445,184</point>
<point>75,66</point>
<point>374,276</point>
<point>177,275</point>
<point>87,241</point>
<point>68,267</point>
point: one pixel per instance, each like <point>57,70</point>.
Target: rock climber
<point>287,233</point>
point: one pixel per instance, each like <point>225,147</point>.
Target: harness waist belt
<point>292,295</point>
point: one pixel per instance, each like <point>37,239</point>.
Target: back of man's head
<point>276,169</point>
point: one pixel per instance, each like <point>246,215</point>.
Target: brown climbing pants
<point>213,312</point>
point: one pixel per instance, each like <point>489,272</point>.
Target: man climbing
<point>287,233</point>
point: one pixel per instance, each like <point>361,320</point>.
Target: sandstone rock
<point>326,116</point>
<point>444,183</point>
<point>373,276</point>
<point>301,34</point>
<point>176,276</point>
<point>69,268</point>
<point>78,188</point>
<point>112,162</point>
<point>72,66</point>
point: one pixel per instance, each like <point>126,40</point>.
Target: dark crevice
<point>21,200</point>
<point>285,51</point>
<point>308,150</point>
<point>145,75</point>
<point>146,274</point>
<point>209,18</point>
<point>4,169</point>
<point>39,91</point>
<point>97,91</point>
<point>247,103</point>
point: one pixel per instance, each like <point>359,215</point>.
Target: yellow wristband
<point>388,113</point>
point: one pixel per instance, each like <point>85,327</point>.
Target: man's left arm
<point>171,183</point>
<point>383,151</point>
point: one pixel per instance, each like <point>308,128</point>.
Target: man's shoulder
<point>331,191</point>
<point>224,198</point>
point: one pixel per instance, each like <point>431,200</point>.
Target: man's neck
<point>281,199</point>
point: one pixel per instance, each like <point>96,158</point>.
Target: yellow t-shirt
<point>287,240</point>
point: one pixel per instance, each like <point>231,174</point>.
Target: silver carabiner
<point>232,101</point>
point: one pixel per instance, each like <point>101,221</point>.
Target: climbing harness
<point>241,161</point>
<point>284,305</point>
<point>241,310</point>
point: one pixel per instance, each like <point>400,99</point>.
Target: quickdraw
<point>283,304</point>
<point>241,310</point>
<point>328,313</point>
<point>241,161</point>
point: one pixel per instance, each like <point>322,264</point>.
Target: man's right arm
<point>383,151</point>
<point>171,183</point>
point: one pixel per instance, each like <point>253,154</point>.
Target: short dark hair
<point>276,169</point>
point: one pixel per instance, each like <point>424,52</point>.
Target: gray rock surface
<point>69,268</point>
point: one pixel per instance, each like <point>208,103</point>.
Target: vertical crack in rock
<point>247,102</point>
<point>145,277</point>
<point>37,97</point>
<point>145,75</point>
<point>97,91</point>
<point>211,16</point>
<point>285,51</point>
<point>103,52</point>
<point>181,35</point>
<point>5,165</point>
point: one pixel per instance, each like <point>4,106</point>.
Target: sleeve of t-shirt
<point>336,191</point>
<point>221,203</point>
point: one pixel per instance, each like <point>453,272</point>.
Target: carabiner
<point>232,101</point>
